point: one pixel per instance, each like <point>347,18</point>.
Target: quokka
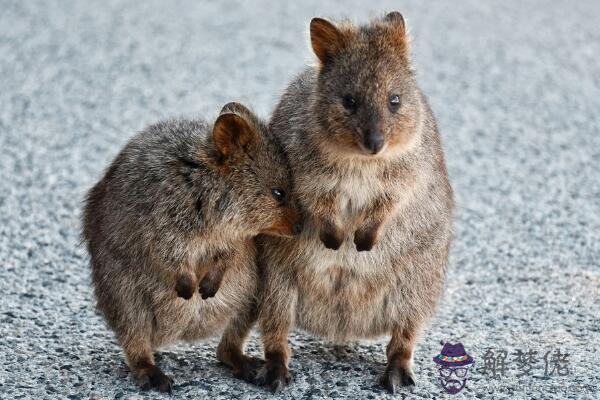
<point>370,176</point>
<point>177,209</point>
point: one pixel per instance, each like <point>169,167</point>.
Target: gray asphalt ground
<point>515,87</point>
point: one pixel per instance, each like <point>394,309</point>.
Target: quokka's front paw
<point>332,237</point>
<point>274,376</point>
<point>185,286</point>
<point>365,239</point>
<point>208,287</point>
<point>211,282</point>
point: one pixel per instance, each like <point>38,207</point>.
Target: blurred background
<point>516,90</point>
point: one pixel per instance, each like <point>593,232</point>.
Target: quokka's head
<point>367,97</point>
<point>258,173</point>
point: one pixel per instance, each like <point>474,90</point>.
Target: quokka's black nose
<point>374,141</point>
<point>297,228</point>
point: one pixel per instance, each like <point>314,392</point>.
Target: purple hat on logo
<point>453,355</point>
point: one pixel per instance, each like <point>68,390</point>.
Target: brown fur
<point>372,258</point>
<point>178,209</point>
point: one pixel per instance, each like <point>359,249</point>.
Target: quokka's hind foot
<point>274,377</point>
<point>399,353</point>
<point>231,348</point>
<point>395,376</point>
<point>274,374</point>
<point>242,366</point>
<point>247,368</point>
<point>149,376</point>
<point>141,363</point>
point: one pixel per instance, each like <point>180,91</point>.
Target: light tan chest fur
<point>344,294</point>
<point>196,318</point>
<point>353,193</point>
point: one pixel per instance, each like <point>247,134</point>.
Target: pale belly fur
<point>345,294</point>
<point>194,319</point>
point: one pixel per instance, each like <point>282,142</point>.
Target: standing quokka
<point>370,176</point>
<point>177,204</point>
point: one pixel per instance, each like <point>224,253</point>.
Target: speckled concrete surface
<point>515,86</point>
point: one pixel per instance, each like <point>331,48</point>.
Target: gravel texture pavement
<point>515,87</point>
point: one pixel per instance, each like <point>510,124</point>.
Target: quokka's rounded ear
<point>397,20</point>
<point>235,107</point>
<point>233,134</point>
<point>398,33</point>
<point>326,39</point>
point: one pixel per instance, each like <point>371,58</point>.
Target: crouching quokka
<point>370,176</point>
<point>177,209</point>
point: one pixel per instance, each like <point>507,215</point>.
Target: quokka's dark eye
<point>349,103</point>
<point>394,102</point>
<point>279,195</point>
